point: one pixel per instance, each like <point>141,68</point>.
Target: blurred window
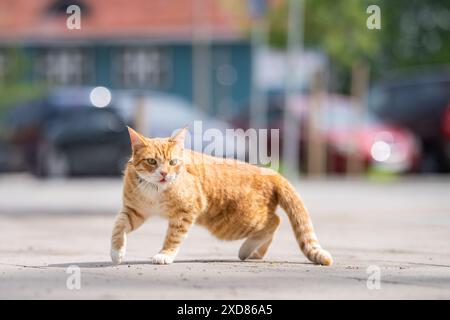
<point>339,118</point>
<point>101,121</point>
<point>345,117</point>
<point>410,103</point>
<point>143,67</point>
<point>173,112</point>
<point>419,98</point>
<point>64,66</point>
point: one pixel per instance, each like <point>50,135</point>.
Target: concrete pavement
<point>400,229</point>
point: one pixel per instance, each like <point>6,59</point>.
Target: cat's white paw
<point>117,255</point>
<point>162,258</point>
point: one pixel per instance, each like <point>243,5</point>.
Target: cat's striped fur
<point>232,199</point>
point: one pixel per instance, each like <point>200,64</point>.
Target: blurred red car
<point>378,144</point>
<point>420,101</point>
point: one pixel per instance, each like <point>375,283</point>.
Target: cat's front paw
<point>162,258</point>
<point>117,255</point>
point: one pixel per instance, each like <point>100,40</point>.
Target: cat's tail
<point>301,223</point>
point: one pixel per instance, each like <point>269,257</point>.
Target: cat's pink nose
<point>163,173</point>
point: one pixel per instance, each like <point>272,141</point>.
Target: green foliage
<point>413,32</point>
<point>16,93</point>
<point>337,27</point>
<point>14,88</point>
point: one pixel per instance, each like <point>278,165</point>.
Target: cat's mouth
<point>163,180</point>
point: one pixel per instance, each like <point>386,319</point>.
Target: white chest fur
<point>150,204</point>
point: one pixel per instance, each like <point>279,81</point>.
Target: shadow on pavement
<point>106,264</point>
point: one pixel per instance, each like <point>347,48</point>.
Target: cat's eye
<point>173,162</point>
<point>151,161</point>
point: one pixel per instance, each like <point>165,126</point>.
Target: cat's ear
<point>137,140</point>
<point>179,136</point>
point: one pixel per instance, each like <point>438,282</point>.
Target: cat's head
<point>157,160</point>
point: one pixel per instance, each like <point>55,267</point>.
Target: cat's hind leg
<point>127,220</point>
<point>261,251</point>
<point>256,245</point>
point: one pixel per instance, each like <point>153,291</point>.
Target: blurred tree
<point>337,27</point>
<point>413,32</point>
<point>14,87</point>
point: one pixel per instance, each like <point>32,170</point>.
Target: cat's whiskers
<point>146,186</point>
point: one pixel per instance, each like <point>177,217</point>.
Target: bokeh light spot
<point>380,151</point>
<point>100,97</point>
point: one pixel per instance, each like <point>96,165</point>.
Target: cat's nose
<point>163,173</point>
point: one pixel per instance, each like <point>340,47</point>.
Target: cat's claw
<point>117,255</point>
<point>162,258</point>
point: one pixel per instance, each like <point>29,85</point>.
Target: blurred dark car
<point>419,101</point>
<point>63,134</point>
<point>378,144</point>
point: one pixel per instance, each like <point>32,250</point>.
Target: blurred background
<point>349,97</point>
<point>358,90</point>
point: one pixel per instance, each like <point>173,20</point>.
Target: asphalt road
<point>397,232</point>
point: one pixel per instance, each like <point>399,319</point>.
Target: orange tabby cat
<point>232,199</point>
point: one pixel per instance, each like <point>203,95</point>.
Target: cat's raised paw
<point>162,258</point>
<point>117,255</point>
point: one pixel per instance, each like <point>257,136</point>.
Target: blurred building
<point>193,48</point>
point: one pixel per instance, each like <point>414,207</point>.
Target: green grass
<point>379,175</point>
